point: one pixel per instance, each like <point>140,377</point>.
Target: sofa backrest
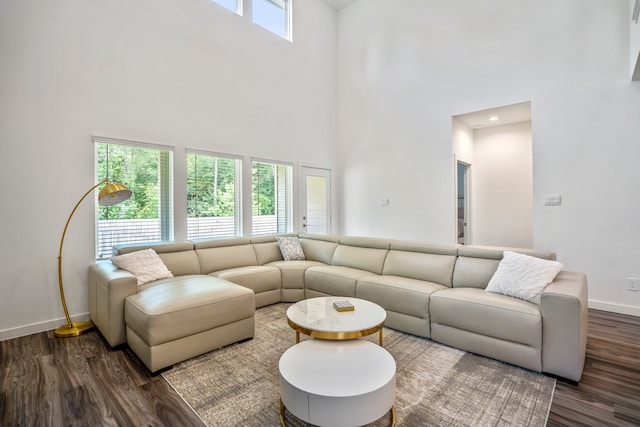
<point>422,261</point>
<point>363,253</point>
<point>267,249</point>
<point>179,257</point>
<point>477,264</point>
<point>222,254</point>
<point>319,247</point>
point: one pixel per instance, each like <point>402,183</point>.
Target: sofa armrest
<point>564,309</point>
<point>109,286</point>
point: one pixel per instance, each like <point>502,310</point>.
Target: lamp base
<point>76,328</point>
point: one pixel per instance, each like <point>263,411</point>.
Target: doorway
<point>462,201</point>
<point>315,200</point>
<point>494,198</point>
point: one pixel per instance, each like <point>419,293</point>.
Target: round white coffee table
<point>329,383</point>
<point>317,318</point>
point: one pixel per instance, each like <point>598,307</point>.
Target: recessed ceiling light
<point>494,118</point>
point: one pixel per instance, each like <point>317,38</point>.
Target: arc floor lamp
<point>111,194</point>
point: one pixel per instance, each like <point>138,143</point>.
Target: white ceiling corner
<point>339,4</point>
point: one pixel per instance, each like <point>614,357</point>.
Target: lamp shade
<point>112,194</point>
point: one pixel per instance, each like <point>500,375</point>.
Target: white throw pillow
<point>146,265</point>
<point>291,248</point>
<point>523,276</point>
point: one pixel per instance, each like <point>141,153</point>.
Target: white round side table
<point>337,383</point>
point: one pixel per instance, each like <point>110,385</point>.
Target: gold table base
<point>326,335</point>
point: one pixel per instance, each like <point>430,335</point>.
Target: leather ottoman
<point>187,316</point>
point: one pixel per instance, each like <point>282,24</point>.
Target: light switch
<point>384,202</point>
<point>552,200</point>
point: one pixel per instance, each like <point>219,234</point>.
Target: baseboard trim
<point>34,328</point>
<point>615,308</point>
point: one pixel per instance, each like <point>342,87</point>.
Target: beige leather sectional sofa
<point>433,291</point>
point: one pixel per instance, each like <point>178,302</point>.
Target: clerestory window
<point>232,5</point>
<point>273,15</point>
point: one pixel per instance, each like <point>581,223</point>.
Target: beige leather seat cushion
<point>333,280</point>
<point>259,278</point>
<point>185,306</point>
<point>399,294</point>
<point>292,272</point>
<point>488,314</point>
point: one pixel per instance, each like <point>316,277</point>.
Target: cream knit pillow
<point>523,276</point>
<point>146,265</point>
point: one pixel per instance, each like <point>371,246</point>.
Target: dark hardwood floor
<point>48,381</point>
<point>609,392</point>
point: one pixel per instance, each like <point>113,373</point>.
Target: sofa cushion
<point>471,272</point>
<point>146,265</point>
<point>185,306</point>
<point>333,280</point>
<point>179,257</point>
<point>522,276</point>
<point>476,265</point>
<point>488,314</point>
<point>319,247</point>
<point>159,247</point>
<point>399,294</point>
<point>217,255</point>
<point>433,263</point>
<point>362,253</point>
<point>259,278</point>
<point>267,249</point>
<point>263,280</point>
<point>292,272</point>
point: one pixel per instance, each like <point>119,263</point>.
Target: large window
<point>272,205</point>
<point>147,215</point>
<point>213,195</point>
<point>274,15</point>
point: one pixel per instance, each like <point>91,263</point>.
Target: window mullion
<point>166,220</point>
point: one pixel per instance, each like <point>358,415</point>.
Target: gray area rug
<point>436,385</point>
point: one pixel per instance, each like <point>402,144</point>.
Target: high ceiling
<point>479,119</point>
<point>339,4</point>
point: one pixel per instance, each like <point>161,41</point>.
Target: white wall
<point>462,141</point>
<point>406,67</point>
<point>502,187</point>
<point>189,74</point>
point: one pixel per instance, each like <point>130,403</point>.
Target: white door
<point>315,200</point>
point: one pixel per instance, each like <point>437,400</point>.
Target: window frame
<point>237,10</point>
<point>238,190</point>
<point>288,18</point>
<point>165,178</point>
<point>284,224</point>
